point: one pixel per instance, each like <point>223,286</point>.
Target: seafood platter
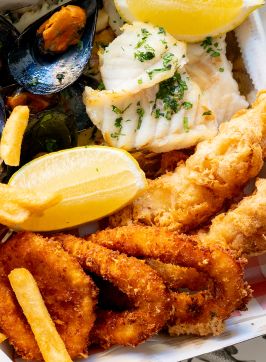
<point>132,178</point>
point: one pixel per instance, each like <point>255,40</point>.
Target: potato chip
<point>29,297</point>
<point>12,135</point>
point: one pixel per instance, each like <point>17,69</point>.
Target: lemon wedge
<point>189,20</point>
<point>93,181</point>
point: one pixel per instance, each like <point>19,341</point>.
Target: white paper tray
<point>239,328</point>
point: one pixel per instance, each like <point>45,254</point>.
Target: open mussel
<point>39,64</point>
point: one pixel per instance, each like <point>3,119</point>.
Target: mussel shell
<point>48,131</point>
<point>42,74</point>
<point>8,37</point>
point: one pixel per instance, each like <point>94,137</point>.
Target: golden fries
<point>17,205</point>
<point>29,297</point>
<point>2,337</point>
<point>31,200</point>
<point>12,135</point>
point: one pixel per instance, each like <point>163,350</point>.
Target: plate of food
<point>133,197</point>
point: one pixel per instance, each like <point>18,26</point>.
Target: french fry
<point>31,200</point>
<point>2,337</point>
<point>29,297</point>
<point>12,214</point>
<point>12,136</point>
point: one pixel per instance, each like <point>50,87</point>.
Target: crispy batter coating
<point>178,277</point>
<point>201,313</point>
<point>69,294</point>
<point>217,171</point>
<point>142,285</point>
<point>243,228</point>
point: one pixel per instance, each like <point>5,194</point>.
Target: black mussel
<point>48,131</point>
<point>42,72</point>
<point>70,101</point>
<point>8,36</point>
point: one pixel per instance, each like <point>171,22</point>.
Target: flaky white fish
<point>167,116</point>
<point>142,56</point>
<point>211,70</point>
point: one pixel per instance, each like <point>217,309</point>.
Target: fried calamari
<point>137,280</point>
<point>199,313</point>
<point>69,294</point>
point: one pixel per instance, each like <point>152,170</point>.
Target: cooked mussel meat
<point>42,73</point>
<point>63,29</point>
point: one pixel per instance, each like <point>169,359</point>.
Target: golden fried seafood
<point>197,189</point>
<point>200,313</point>
<point>69,294</point>
<point>177,277</point>
<point>142,285</point>
<point>243,228</point>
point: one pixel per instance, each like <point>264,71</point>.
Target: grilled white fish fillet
<point>152,119</point>
<point>211,70</point>
<point>142,56</point>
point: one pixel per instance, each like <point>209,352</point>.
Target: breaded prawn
<point>242,228</point>
<point>137,280</point>
<point>200,313</point>
<point>217,171</point>
<point>69,294</point>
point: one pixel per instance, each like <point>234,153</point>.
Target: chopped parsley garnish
<point>60,77</point>
<point>140,81</point>
<point>161,30</point>
<point>185,124</point>
<point>221,70</point>
<point>167,58</point>
<point>164,42</point>
<point>211,48</point>
<point>118,110</point>
<point>118,125</point>
<point>33,82</point>
<point>144,36</point>
<point>142,56</point>
<point>158,70</point>
<point>187,105</point>
<point>169,99</point>
<point>207,113</point>
<point>118,121</point>
<point>101,86</point>
<point>140,113</point>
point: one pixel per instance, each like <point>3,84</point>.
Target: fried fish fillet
<point>243,228</point>
<point>217,171</point>
<point>69,294</point>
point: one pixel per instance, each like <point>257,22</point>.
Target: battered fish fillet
<point>137,280</point>
<point>69,294</point>
<point>242,228</point>
<point>200,313</point>
<point>217,171</point>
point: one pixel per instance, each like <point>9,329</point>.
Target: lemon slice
<point>93,182</point>
<point>189,20</point>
